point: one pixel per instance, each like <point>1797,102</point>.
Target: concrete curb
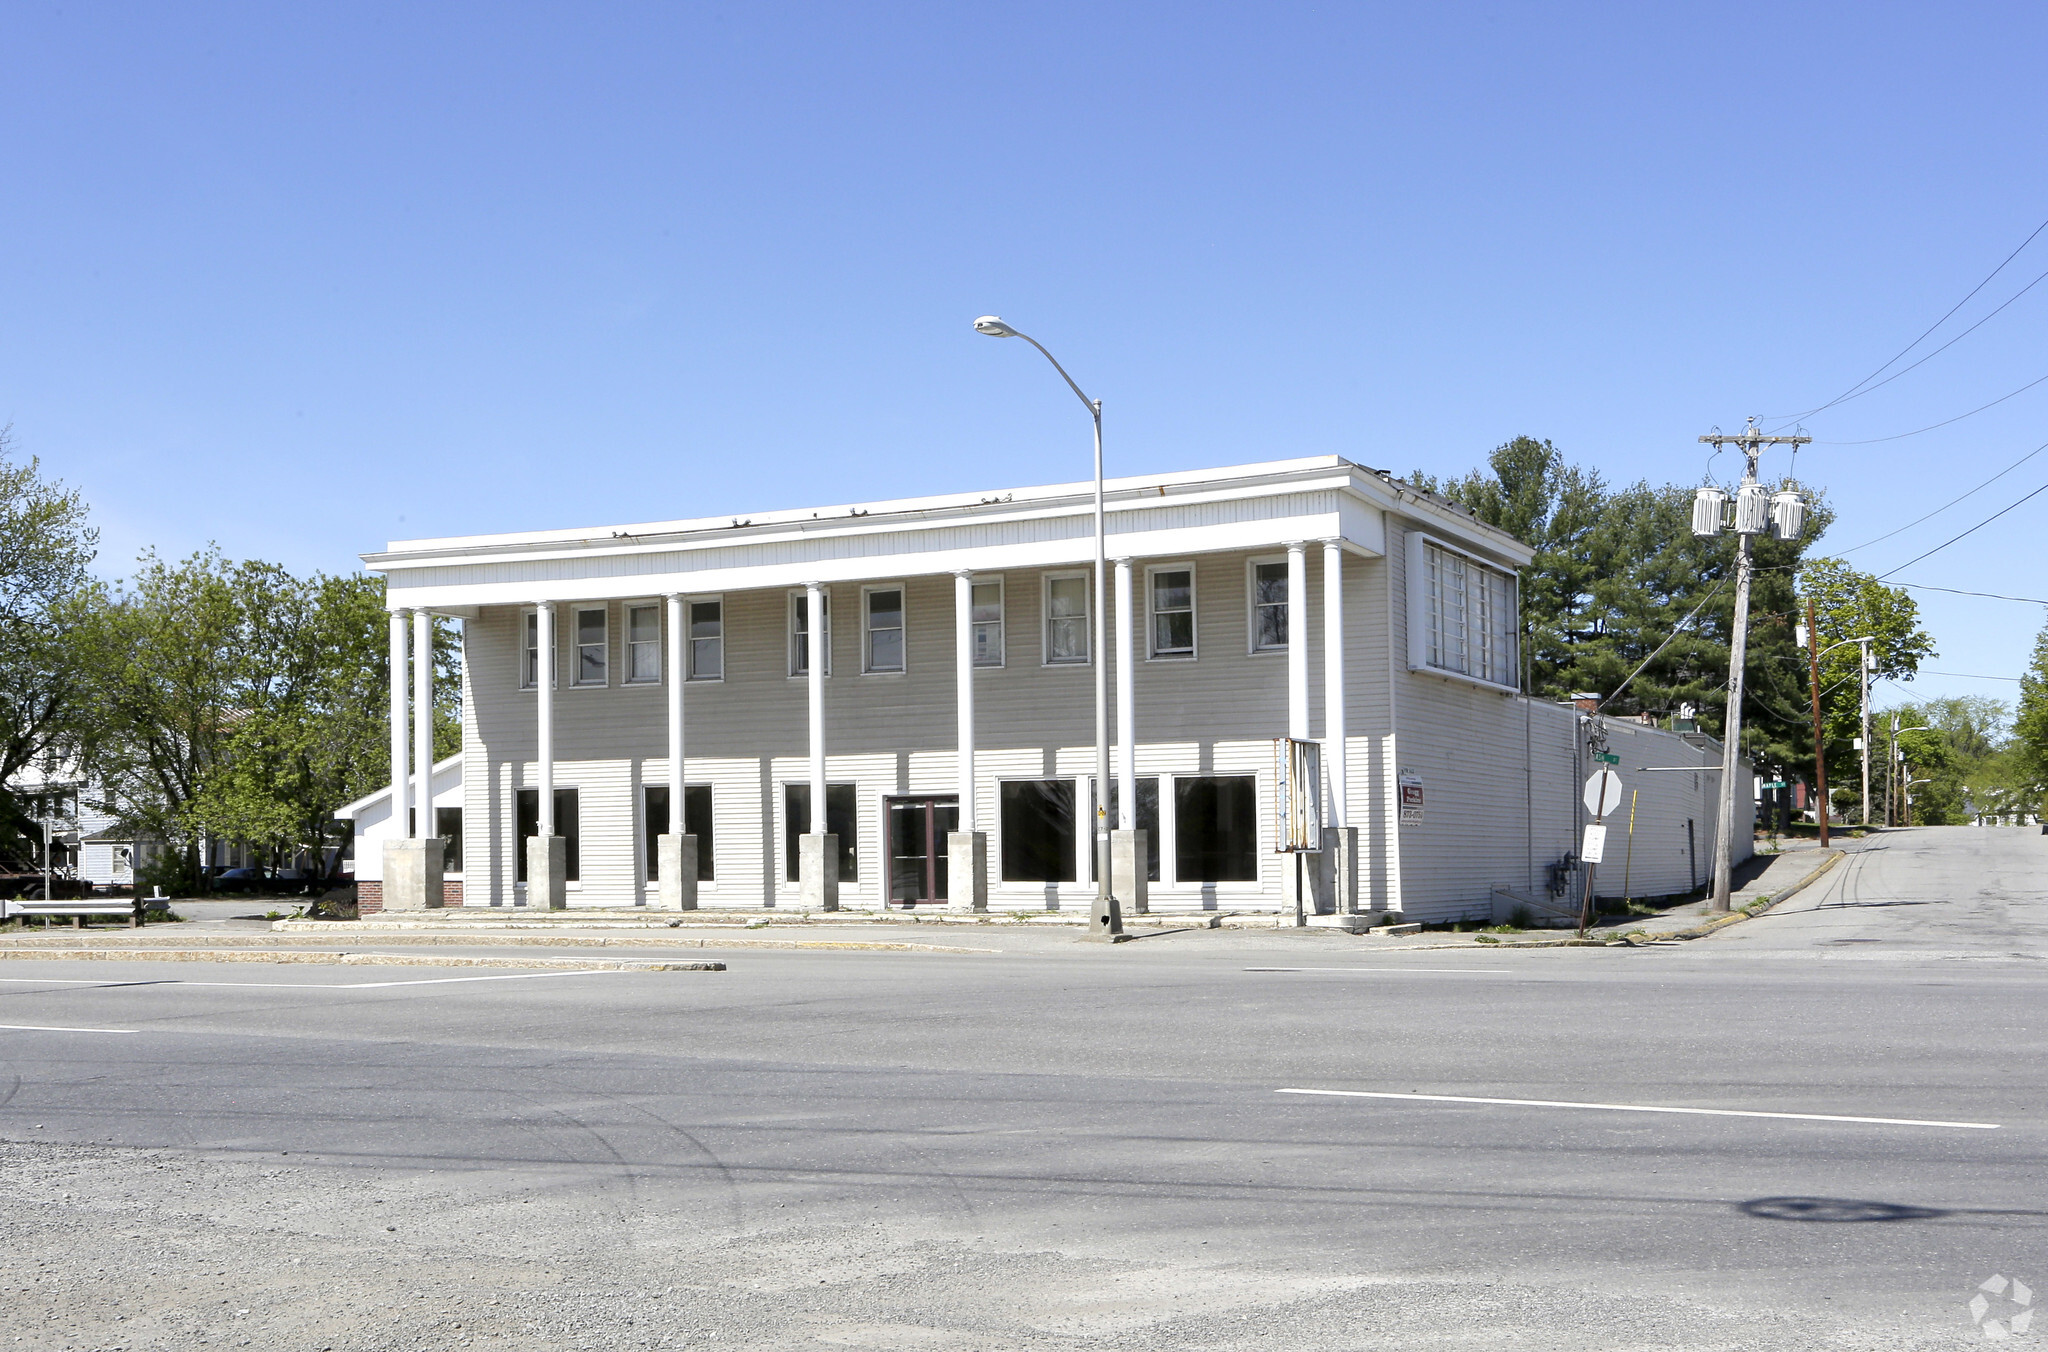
<point>649,939</point>
<point>287,955</point>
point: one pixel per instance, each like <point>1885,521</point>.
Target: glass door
<point>917,849</point>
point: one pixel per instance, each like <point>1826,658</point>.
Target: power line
<point>1858,386</point>
<point>1952,501</point>
<point>1957,591</point>
<point>1901,436</point>
<point>1968,676</point>
<point>1971,531</point>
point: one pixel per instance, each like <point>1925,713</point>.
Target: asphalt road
<point>1062,1145</point>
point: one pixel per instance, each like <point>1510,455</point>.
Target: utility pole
<point>1820,762</point>
<point>1756,511</point>
<point>1891,756</point>
<point>1865,643</point>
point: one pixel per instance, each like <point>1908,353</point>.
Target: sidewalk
<point>1763,875</point>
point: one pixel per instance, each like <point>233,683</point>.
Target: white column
<point>677,673</point>
<point>819,644</point>
<point>423,721</point>
<point>1297,639</point>
<point>401,745</point>
<point>1333,681</point>
<point>1126,703</point>
<point>963,678</point>
<point>544,704</point>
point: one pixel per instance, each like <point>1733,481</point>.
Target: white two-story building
<point>633,691</point>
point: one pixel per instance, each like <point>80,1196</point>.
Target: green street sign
<point>1775,784</point>
<point>1608,758</point>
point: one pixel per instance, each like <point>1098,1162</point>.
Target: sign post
<point>1602,796</point>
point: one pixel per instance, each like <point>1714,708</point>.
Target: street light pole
<point>1106,917</point>
<point>1865,656</point>
<point>1820,760</point>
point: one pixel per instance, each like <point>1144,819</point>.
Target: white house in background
<point>925,666</point>
<point>373,825</point>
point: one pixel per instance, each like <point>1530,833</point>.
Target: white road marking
<point>1645,1108</point>
<point>1488,971</point>
<point>299,985</point>
<point>41,1028</point>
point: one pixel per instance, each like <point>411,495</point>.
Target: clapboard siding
<point>1501,773</point>
<point>892,733</point>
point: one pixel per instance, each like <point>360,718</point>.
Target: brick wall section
<point>370,895</point>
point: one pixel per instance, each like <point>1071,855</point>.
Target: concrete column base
<point>547,873</point>
<point>817,870</point>
<point>412,874</point>
<point>1127,871</point>
<point>1340,869</point>
<point>1106,920</point>
<point>967,869</point>
<point>675,859</point>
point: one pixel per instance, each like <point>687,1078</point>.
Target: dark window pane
<point>696,822</point>
<point>570,829</point>
<point>840,818</point>
<point>448,826</point>
<point>1038,830</point>
<point>1216,829</point>
<point>1272,627</point>
<point>1173,632</point>
<point>1272,584</point>
<point>1146,820</point>
<point>1173,591</point>
<point>526,815</point>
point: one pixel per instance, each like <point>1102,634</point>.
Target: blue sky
<point>302,279</point>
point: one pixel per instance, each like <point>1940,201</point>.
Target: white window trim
<point>689,643</point>
<point>640,861</point>
<point>626,609</point>
<point>1194,613</point>
<point>1251,607</point>
<point>576,612</point>
<point>790,887</point>
<point>1002,620</point>
<point>903,592</point>
<point>1418,612</point>
<point>531,615</point>
<point>1169,830</point>
<point>1045,657</point>
<point>789,634</point>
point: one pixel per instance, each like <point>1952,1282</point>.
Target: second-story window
<point>885,629</point>
<point>643,644</point>
<point>800,633</point>
<point>986,615</point>
<point>1066,619</point>
<point>707,640</point>
<point>1173,612</point>
<point>529,657</point>
<point>591,646</point>
<point>1269,606</point>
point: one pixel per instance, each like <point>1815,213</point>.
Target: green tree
<point>45,549</point>
<point>2030,731</point>
<point>1619,581</point>
<point>1966,746</point>
<point>239,702</point>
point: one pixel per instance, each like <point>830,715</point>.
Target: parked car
<point>239,880</point>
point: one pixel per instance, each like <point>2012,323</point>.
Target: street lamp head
<point>994,327</point>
